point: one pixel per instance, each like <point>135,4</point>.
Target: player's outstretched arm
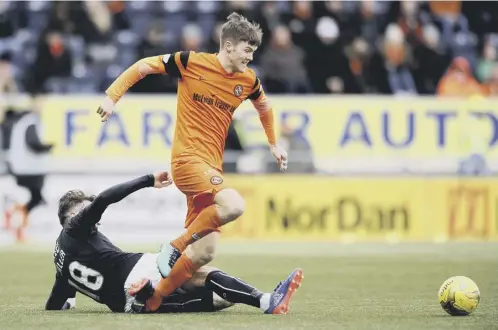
<point>262,105</point>
<point>61,293</point>
<point>162,64</point>
<point>136,72</point>
<point>92,213</point>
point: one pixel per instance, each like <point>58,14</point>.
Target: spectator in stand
<point>192,38</point>
<point>491,84</point>
<point>7,83</point>
<point>330,75</point>
<point>458,80</point>
<point>356,79</point>
<point>302,25</point>
<point>487,62</point>
<point>151,45</point>
<point>12,18</point>
<point>430,60</point>
<point>53,60</point>
<point>390,70</point>
<point>282,65</point>
<point>371,24</point>
<point>344,13</point>
<point>97,20</point>
<point>213,44</point>
<point>62,16</point>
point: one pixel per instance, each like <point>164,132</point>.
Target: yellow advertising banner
<point>365,209</point>
<point>143,126</point>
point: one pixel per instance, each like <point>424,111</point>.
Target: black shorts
<point>34,182</point>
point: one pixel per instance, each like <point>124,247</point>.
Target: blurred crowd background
<point>341,47</point>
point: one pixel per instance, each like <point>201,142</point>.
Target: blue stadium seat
<point>37,20</point>
<point>208,7</point>
<point>126,57</point>
<point>173,7</point>
<point>76,45</point>
<point>39,6</point>
<point>140,23</point>
<point>139,6</point>
<point>206,23</point>
<point>175,23</point>
<point>56,85</point>
<point>87,85</point>
<point>126,38</point>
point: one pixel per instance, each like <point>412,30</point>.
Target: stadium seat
<point>206,23</point>
<point>173,7</point>
<point>56,85</point>
<point>140,23</point>
<point>139,6</point>
<point>126,38</point>
<point>174,23</point>
<point>208,7</point>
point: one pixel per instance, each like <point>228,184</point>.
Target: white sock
<point>264,302</point>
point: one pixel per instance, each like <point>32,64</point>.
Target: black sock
<point>232,289</point>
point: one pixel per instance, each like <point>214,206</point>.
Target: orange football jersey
<point>207,98</point>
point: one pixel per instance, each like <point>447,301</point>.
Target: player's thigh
<point>194,177</point>
<point>202,251</point>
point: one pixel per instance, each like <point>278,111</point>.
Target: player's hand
<point>106,109</point>
<point>280,155</point>
<point>69,304</point>
<point>162,180</point>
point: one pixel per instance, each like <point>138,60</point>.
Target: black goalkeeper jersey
<point>86,261</point>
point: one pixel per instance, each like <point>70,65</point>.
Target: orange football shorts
<point>199,181</point>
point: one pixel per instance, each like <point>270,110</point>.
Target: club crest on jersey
<point>216,180</point>
<point>237,91</point>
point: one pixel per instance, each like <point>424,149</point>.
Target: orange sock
<point>206,222</point>
<point>180,273</point>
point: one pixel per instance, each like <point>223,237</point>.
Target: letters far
<point>152,125</point>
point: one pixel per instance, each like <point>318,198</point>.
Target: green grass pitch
<point>353,286</point>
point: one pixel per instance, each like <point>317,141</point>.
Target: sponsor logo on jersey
<point>216,180</point>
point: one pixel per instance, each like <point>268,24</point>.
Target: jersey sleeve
<point>61,291</point>
<point>262,105</point>
<point>176,64</point>
<point>257,91</point>
<point>91,214</point>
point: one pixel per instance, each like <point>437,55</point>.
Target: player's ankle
<point>264,301</point>
<point>157,294</point>
<point>179,244</point>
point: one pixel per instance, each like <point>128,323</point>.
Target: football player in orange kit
<point>210,89</point>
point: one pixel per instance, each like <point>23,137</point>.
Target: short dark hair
<point>239,29</point>
<point>70,200</point>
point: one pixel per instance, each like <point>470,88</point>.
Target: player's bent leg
<point>198,254</point>
<point>198,280</point>
<point>203,251</point>
<point>198,300</point>
<point>230,204</point>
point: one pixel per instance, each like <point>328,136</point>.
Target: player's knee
<point>220,303</point>
<point>236,209</point>
<point>231,204</point>
<point>204,256</point>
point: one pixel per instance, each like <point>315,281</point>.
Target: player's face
<point>241,55</point>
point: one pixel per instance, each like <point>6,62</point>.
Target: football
<point>459,296</point>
